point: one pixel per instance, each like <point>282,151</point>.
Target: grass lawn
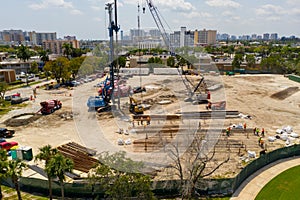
<point>284,186</point>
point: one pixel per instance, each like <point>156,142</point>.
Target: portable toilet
<point>27,153</point>
<point>13,152</point>
<point>19,154</point>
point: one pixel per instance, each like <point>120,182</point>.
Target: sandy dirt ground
<point>248,94</point>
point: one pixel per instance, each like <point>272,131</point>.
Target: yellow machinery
<point>134,107</point>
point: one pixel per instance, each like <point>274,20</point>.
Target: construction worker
<point>259,140</point>
<point>254,130</point>
<point>263,132</point>
<point>245,127</point>
<point>257,131</point>
<point>148,120</point>
<point>228,132</point>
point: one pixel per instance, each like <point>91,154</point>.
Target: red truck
<point>50,106</point>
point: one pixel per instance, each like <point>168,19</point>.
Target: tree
<point>3,89</point>
<point>14,171</point>
<point>75,64</point>
<point>46,153</point>
<point>44,56</point>
<point>59,68</point>
<point>250,59</point>
<point>57,167</point>
<point>237,61</point>
<point>67,50</point>
<point>23,53</point>
<point>171,61</point>
<point>34,68</point>
<point>114,174</point>
<point>3,167</point>
<point>192,167</point>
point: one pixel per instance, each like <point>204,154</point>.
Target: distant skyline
<point>88,19</point>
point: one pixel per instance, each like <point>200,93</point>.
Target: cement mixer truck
<point>50,106</point>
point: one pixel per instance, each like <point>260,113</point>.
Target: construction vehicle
<point>221,105</point>
<point>102,103</point>
<point>198,98</point>
<point>50,106</point>
<point>192,96</point>
<point>134,107</point>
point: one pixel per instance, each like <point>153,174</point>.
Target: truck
<point>50,106</point>
<point>15,98</point>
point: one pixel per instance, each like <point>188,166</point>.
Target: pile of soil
<point>23,119</point>
<point>285,93</point>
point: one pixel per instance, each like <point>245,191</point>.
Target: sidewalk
<point>253,184</point>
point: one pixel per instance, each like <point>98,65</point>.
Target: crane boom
<point>159,24</point>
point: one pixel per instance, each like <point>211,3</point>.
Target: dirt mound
<point>285,93</point>
<point>21,120</point>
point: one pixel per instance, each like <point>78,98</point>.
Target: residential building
<point>56,46</point>
<point>7,75</point>
<point>17,65</point>
<point>207,37</point>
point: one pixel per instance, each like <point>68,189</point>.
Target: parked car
<point>5,133</point>
<point>8,145</point>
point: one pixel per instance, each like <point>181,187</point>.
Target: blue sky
<point>87,19</point>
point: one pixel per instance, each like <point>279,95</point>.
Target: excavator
<point>134,107</point>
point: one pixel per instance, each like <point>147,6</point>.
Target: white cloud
<point>270,10</point>
<point>295,11</point>
<point>230,16</point>
<point>195,14</point>
<point>55,3</point>
<point>177,5</point>
<point>293,2</point>
<point>223,3</point>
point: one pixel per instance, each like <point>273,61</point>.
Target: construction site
<point>168,120</point>
<point>152,112</point>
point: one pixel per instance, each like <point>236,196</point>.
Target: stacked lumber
<point>80,155</point>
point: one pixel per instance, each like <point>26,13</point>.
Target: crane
<point>155,14</point>
<point>102,103</point>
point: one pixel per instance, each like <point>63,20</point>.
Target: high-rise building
<point>154,33</point>
<point>266,36</point>
<point>182,36</point>
<point>15,36</point>
<point>274,36</point>
<point>175,39</point>
<point>207,37</point>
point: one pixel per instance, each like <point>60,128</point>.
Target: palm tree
<point>3,167</point>
<point>44,55</point>
<point>57,167</point>
<point>24,54</point>
<point>46,153</point>
<point>67,50</point>
<point>15,168</point>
